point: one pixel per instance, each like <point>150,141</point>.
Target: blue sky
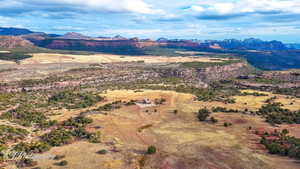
<point>189,19</point>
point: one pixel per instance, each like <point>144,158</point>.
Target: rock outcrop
<point>96,44</point>
<point>204,76</point>
<point>249,44</point>
<point>286,76</point>
<point>74,35</point>
<point>216,73</point>
<point>10,42</point>
<point>76,42</point>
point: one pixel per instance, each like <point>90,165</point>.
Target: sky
<point>181,19</point>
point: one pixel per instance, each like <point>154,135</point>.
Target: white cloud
<point>67,28</point>
<point>130,6</point>
<point>247,6</point>
<point>196,8</point>
<point>128,32</point>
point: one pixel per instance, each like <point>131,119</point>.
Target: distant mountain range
<point>249,44</point>
<point>231,44</point>
<point>271,55</point>
<point>14,31</point>
<point>293,45</point>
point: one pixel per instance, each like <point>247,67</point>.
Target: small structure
<point>145,103</point>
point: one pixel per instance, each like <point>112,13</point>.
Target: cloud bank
<point>10,7</point>
<point>213,19</point>
<point>218,10</point>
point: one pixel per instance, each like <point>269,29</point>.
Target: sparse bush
<point>254,94</point>
<point>224,109</point>
<point>62,163</point>
<point>160,101</point>
<point>213,120</point>
<point>227,124</point>
<point>282,144</point>
<point>73,100</point>
<point>34,147</point>
<point>102,152</point>
<point>79,121</point>
<point>27,163</point>
<point>58,137</point>
<point>8,133</point>
<point>94,137</point>
<point>275,114</point>
<point>26,115</point>
<point>59,157</point>
<point>203,114</point>
<point>151,150</point>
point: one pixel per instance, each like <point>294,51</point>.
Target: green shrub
<point>199,65</point>
<point>59,157</point>
<point>79,121</point>
<point>25,115</point>
<point>8,133</point>
<point>151,150</point>
<point>275,114</point>
<point>203,114</point>
<point>102,152</point>
<point>27,162</point>
<point>72,100</point>
<point>58,137</point>
<point>213,120</point>
<point>34,147</point>
<point>282,144</point>
<point>227,124</point>
<point>95,137</point>
<point>62,163</point>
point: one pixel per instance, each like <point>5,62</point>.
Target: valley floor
<point>182,141</point>
<point>107,114</point>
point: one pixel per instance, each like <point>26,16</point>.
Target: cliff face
<point>10,42</point>
<point>249,44</point>
<point>96,44</point>
<point>179,44</point>
<point>93,44</point>
<point>287,76</point>
<point>202,77</point>
<point>216,73</point>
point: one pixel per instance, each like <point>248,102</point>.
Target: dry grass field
<point>42,58</point>
<point>43,64</point>
<point>6,62</point>
<point>182,141</point>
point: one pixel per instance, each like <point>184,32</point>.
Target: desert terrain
<point>106,111</point>
<point>182,141</point>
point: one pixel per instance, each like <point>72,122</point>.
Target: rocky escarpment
<point>74,41</point>
<point>271,81</point>
<point>202,77</point>
<point>117,73</point>
<point>216,73</point>
<point>10,42</point>
<point>125,46</point>
<point>249,44</point>
<point>179,44</point>
<point>287,76</point>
